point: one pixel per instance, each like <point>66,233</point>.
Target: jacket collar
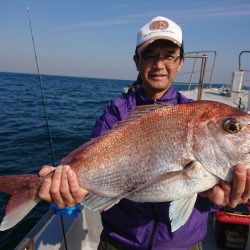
<point>169,97</point>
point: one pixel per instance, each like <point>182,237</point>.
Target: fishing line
<point>45,113</point>
<point>42,92</point>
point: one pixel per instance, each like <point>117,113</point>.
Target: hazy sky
<point>97,38</point>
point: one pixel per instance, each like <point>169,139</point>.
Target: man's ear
<point>136,60</point>
<point>180,64</point>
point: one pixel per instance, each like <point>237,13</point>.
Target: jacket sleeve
<point>115,111</point>
<point>106,121</point>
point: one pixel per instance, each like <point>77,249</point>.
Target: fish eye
<point>231,125</point>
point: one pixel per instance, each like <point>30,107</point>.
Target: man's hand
<point>231,194</point>
<point>62,188</point>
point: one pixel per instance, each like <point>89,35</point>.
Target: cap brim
<point>143,46</point>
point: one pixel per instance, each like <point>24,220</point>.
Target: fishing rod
<point>42,92</point>
<point>45,113</point>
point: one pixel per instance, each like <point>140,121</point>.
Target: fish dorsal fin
<point>141,111</point>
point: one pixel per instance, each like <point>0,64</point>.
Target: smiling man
<point>132,225</point>
<point>159,55</point>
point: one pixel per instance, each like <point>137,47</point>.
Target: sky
<point>97,38</point>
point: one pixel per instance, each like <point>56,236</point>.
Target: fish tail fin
<point>23,190</point>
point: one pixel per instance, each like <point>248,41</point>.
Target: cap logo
<point>159,25</point>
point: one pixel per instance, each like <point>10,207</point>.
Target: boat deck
<point>233,99</point>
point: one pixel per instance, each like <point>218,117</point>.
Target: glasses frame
<point>152,59</point>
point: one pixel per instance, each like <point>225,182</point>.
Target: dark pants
<point>107,244</point>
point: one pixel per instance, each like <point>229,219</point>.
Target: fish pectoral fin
<point>102,203</point>
<point>180,211</point>
<point>19,205</point>
<point>96,202</point>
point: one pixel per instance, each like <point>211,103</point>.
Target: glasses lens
<point>167,59</point>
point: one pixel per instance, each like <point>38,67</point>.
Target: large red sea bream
<point>160,153</point>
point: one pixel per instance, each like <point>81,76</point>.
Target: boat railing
<point>244,69</point>
<point>28,241</point>
<point>240,61</point>
<point>200,54</point>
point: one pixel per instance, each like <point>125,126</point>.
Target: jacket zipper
<point>152,237</point>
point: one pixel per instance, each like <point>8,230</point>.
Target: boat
<point>54,232</point>
<point>234,95</point>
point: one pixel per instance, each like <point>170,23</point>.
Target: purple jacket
<point>146,225</point>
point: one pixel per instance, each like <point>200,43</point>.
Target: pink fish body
<point>160,153</point>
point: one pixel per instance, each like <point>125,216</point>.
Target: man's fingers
<point>77,192</point>
<point>239,183</point>
<point>231,194</point>
<point>44,190</point>
<point>46,170</point>
<point>55,188</point>
<point>215,194</point>
<point>226,187</point>
<point>246,194</point>
<point>218,195</point>
<point>64,187</point>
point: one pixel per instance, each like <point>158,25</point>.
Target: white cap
<point>158,28</point>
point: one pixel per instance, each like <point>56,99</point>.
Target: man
<point>130,225</point>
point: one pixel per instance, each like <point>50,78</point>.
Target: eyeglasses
<point>166,59</point>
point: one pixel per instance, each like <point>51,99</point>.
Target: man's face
<point>158,65</point>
